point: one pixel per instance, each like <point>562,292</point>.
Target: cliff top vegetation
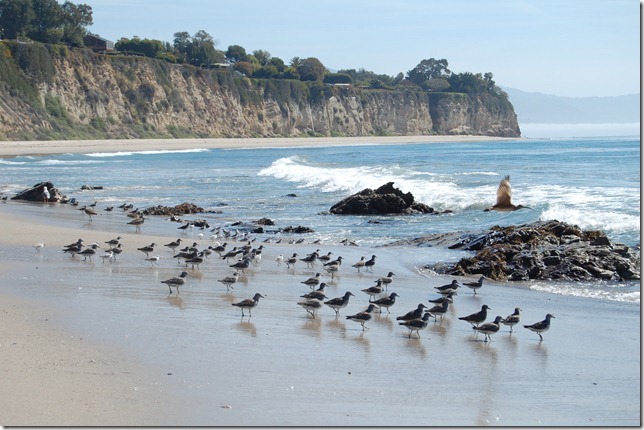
<point>50,22</point>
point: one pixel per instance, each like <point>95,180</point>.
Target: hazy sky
<point>564,47</point>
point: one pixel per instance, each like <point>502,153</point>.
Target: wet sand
<point>77,337</point>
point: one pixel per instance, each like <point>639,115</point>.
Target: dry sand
<point>9,149</point>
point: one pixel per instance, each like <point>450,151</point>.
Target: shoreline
<point>47,147</point>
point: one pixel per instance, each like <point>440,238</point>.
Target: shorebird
<point>291,261</point>
<point>311,306</point>
<point>109,255</point>
<point>325,258</point>
<point>39,246</point>
<point>176,281</point>
<point>413,315</point>
<point>74,248</point>
<point>89,212</point>
<point>475,285</point>
<point>116,250</point>
<point>147,249</point>
<point>453,286</point>
<point>386,280</point>
<point>374,291</point>
<point>228,281</point>
<point>439,310</point>
<point>541,326</point>
<point>339,302</point>
<point>114,242</point>
<point>503,198</point>
<point>359,264</point>
<point>248,304</point>
<point>220,248</point>
<point>513,319</point>
<point>417,324</point>
<point>489,328</point>
<point>476,318</point>
<point>444,297</point>
<point>386,302</point>
<point>173,245</point>
<point>242,265</point>
<point>280,259</point>
<point>312,281</point>
<point>137,222</point>
<point>316,294</point>
<point>195,260</point>
<point>362,317</point>
<point>333,266</point>
<point>89,251</point>
<point>310,259</point>
<point>153,260</point>
<point>370,263</point>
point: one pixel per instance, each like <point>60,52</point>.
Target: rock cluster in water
<point>385,200</point>
<point>545,250</point>
<point>181,209</point>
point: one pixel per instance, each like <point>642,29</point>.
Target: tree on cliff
<point>311,69</point>
<point>45,21</point>
<point>429,69</point>
<point>198,50</point>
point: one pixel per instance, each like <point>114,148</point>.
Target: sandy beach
<point>15,148</point>
<point>95,343</point>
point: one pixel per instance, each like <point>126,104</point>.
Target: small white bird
<point>153,260</point>
<point>280,259</point>
<point>109,255</point>
<point>39,246</point>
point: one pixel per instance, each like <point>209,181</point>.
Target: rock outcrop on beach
<point>53,92</point>
<point>549,250</point>
<point>386,200</point>
<point>35,193</point>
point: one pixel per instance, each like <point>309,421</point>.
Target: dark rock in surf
<point>385,200</point>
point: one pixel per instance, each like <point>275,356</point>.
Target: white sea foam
<point>151,152</point>
<point>593,292</point>
<point>51,162</point>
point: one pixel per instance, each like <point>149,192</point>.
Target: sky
<point>569,48</point>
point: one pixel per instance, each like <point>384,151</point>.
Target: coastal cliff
<point>52,92</point>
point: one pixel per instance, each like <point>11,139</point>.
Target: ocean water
<point>591,182</point>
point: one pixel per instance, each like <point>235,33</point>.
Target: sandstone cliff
<point>51,92</point>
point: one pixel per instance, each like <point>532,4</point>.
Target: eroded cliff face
<point>58,93</point>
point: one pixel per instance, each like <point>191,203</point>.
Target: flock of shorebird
<point>246,256</point>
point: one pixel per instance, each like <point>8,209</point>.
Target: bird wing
<point>504,192</point>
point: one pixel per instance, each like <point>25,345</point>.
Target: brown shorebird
<point>386,302</point>
<point>137,222</point>
<point>228,281</point>
<point>248,304</point>
<point>362,317</point>
<point>176,281</point>
<point>311,306</point>
<point>317,294</point>
<point>513,319</point>
<point>489,328</point>
<point>439,310</point>
<point>475,285</point>
<point>417,324</point>
<point>413,315</point>
<point>541,326</point>
<point>339,302</point>
<point>478,317</point>
<point>89,212</point>
<point>503,198</point>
